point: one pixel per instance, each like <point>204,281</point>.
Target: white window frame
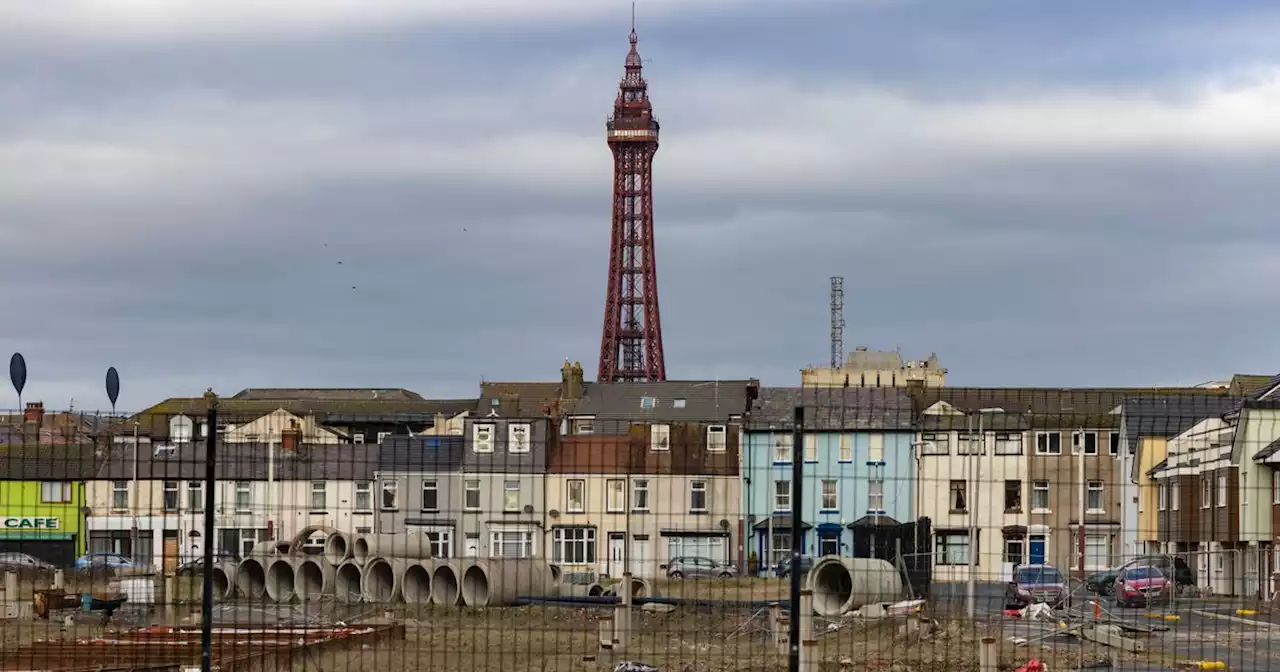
<point>648,402</point>
<point>527,541</point>
<point>482,437</point>
<point>519,437</point>
<point>875,495</point>
<point>168,488</point>
<point>935,443</point>
<point>965,442</point>
<point>1039,486</point>
<point>561,542</point>
<point>1113,444</point>
<point>440,538</point>
<point>1206,493</point>
<point>581,485</point>
<point>830,494</point>
<point>615,495</point>
<point>875,448</point>
<point>846,447</point>
<point>320,488</point>
<point>364,490</point>
<point>1008,443</point>
<point>119,488</point>
<point>1222,490</point>
<point>717,438</point>
<point>195,496</point>
<point>467,489</point>
<point>1173,496</point>
<point>55,492</point>
<point>1048,448</point>
<point>695,487</point>
<point>382,435</point>
<point>585,424</point>
<point>1080,443</point>
<point>432,485</point>
<point>1162,496</point>
<point>948,554</point>
<point>511,495</point>
<point>660,437</point>
<point>245,504</point>
<point>782,443</point>
<point>640,494</point>
<point>810,448</point>
<point>392,487</point>
<point>782,500</point>
<point>1098,487</point>
<point>1275,496</point>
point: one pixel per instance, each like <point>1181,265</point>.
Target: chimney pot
<point>290,439</point>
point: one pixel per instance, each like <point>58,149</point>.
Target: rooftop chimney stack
<point>34,413</point>
<point>291,438</point>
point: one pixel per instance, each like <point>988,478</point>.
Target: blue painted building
<point>858,469</point>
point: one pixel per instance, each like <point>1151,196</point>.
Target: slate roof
<point>519,400</point>
<point>704,400</point>
<point>1048,408</point>
<point>832,408</point>
<point>421,454</point>
<point>330,406</point>
<point>1170,415</point>
<point>1244,384</point>
<point>245,462</point>
<point>327,394</point>
<point>74,462</point>
<point>1269,450</point>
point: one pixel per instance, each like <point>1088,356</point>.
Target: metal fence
<point>673,525</point>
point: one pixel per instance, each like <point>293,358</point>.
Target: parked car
<point>1142,585</point>
<point>1104,582</point>
<point>106,561</point>
<point>23,562</point>
<point>1037,583</point>
<point>196,567</point>
<point>783,569</point>
<point>692,568</point>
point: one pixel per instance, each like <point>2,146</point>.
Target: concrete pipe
<point>642,588</point>
<point>578,590</point>
<point>348,583</point>
<point>498,582</point>
<point>224,587</point>
<point>314,579</point>
<point>304,535</point>
<point>446,583</point>
<point>280,581</point>
<point>337,549</point>
<point>251,579</point>
<point>268,549</point>
<point>415,583</point>
<point>381,580</point>
<point>595,590</point>
<point>557,574</point>
<point>842,584</point>
<point>391,546</point>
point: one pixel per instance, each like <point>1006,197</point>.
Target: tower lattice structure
<point>631,342</point>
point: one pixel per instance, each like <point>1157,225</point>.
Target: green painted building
<point>43,500</point>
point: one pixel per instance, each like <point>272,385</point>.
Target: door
<point>617,553</point>
<point>1036,549</point>
<point>641,560</point>
<point>170,554</point>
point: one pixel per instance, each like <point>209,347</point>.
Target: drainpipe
<point>271,489</point>
<point>133,503</point>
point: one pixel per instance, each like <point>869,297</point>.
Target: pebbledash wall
<point>44,519</point>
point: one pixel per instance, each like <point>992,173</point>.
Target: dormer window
<point>677,403</point>
<point>165,451</point>
<point>495,402</point>
<point>648,402</point>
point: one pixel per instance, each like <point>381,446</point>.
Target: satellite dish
<point>18,372</point>
<point>113,386</point>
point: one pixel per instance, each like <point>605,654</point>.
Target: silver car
<point>694,568</point>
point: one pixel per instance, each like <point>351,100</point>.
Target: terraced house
<point>418,490</point>
<point>645,472</point>
<point>858,470</point>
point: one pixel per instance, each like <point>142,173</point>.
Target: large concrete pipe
<point>557,574</point>
<point>389,546</point>
<point>337,548</point>
<point>446,583</point>
<point>382,580</point>
<point>642,588</point>
<point>251,579</point>
<point>348,583</point>
<point>841,584</point>
<point>498,582</point>
<point>415,583</point>
<point>280,581</point>
<point>224,588</point>
<point>314,579</point>
<point>578,590</point>
<point>269,549</point>
<point>305,534</point>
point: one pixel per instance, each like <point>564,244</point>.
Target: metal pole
<point>797,533</point>
<point>970,584</point>
<point>210,482</point>
<point>1083,488</point>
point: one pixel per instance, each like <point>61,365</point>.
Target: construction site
<point>381,600</point>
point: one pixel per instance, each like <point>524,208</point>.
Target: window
<point>244,497</point>
<point>169,496</point>
<point>471,494</point>
<point>1048,443</point>
<point>584,425</point>
<point>430,495</point>
<point>640,495</point>
<point>518,439</point>
<point>782,495</point>
<point>1244,489</point>
<point>935,444</point>
<point>195,496</point>
<point>1115,443</point>
<point>390,495</point>
<point>482,438</point>
<point>1093,497</point>
<point>512,544</point>
<point>357,438</point>
<point>1086,440</point>
<point>1275,492</point>
<point>697,496</point>
<point>810,447</point>
<point>969,444</point>
<point>575,495</point>
<point>441,541</point>
<point>1097,552</point>
<point>1173,496</point>
<point>55,492</point>
<point>574,545</point>
<point>319,498</point>
<point>648,402</point>
<point>959,496</point>
<point>471,544</point>
<point>875,447</point>
<point>1162,496</point>
<point>1206,493</point>
<point>615,495</point>
<point>717,439</point>
<point>510,495</point>
<point>1013,550</point>
<point>1008,444</point>
<point>364,496</point>
<point>1013,496</point>
<point>846,447</point>
<point>782,447</point>
<point>678,403</point>
<point>382,435</point>
<point>875,494</point>
<point>781,547</point>
<point>1040,496</point>
<point>1222,490</point>
<point>120,495</point>
<point>660,437</point>
<point>830,500</point>
<point>951,548</point>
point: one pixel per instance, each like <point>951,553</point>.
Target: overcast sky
<point>1060,194</point>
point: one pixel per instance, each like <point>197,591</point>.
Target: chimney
<point>34,413</point>
<point>573,385</point>
<point>291,438</point>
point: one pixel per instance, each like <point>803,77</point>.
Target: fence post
<point>797,536</point>
<point>210,502</point>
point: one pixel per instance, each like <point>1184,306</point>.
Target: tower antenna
<point>837,321</point>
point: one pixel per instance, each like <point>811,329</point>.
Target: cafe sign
<point>32,524</point>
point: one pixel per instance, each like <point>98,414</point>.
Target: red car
<point>1142,585</point>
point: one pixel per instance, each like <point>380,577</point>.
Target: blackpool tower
<point>631,341</point>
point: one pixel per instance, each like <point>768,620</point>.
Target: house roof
<point>519,400</point>
<point>62,462</point>
<point>326,394</point>
<point>704,400</point>
<point>56,428</point>
<point>1050,408</point>
<point>1244,384</point>
<point>244,462</point>
<point>832,408</point>
<point>336,407</point>
<point>421,453</point>
<point>1268,450</point>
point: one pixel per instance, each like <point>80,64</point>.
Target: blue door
<point>1036,546</point>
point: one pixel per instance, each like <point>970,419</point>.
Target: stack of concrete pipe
<point>841,584</point>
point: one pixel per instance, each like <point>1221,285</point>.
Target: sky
<point>416,193</point>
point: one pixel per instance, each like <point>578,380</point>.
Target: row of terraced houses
<point>606,476</point>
